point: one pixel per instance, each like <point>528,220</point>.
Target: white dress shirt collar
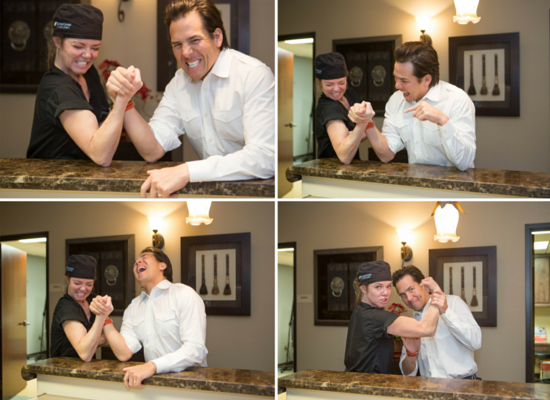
<point>434,94</point>
<point>163,285</point>
<point>222,66</point>
<point>424,310</point>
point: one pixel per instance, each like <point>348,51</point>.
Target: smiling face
<point>76,56</point>
<point>412,88</point>
<point>148,271</point>
<point>193,47</point>
<point>377,294</point>
<point>412,294</point>
<point>334,88</point>
<point>79,289</point>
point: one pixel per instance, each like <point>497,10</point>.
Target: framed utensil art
<point>471,274</point>
<point>218,268</point>
<point>370,63</point>
<point>335,272</point>
<point>487,68</point>
<point>115,257</point>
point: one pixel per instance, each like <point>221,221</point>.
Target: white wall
<point>36,299</point>
<point>509,143</point>
<point>330,225</point>
<point>132,42</point>
<point>232,342</point>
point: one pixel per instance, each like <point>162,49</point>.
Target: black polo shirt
<point>369,348</point>
<point>67,309</point>
<point>328,110</point>
<point>59,92</point>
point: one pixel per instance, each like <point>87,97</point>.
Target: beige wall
<point>132,42</point>
<point>511,143</point>
<point>232,342</point>
<point>327,225</point>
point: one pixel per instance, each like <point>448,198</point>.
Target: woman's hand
<point>124,83</point>
<point>361,113</point>
<point>102,305</point>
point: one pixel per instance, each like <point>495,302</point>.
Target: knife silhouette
<point>462,295</point>
<point>483,86</point>
<point>496,90</point>
<point>450,280</point>
<point>203,290</point>
<point>215,289</point>
<point>227,289</point>
<point>474,299</point>
<point>472,88</point>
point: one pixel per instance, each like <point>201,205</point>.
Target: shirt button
<point>206,115</point>
<point>210,139</point>
<point>444,130</point>
<point>186,116</point>
<point>416,123</point>
<point>417,142</point>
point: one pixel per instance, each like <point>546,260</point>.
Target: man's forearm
<point>380,145</point>
<point>117,343</point>
<point>142,136</point>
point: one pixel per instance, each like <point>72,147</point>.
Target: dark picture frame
<point>507,103</point>
<point>370,62</point>
<point>469,259</point>
<point>115,257</point>
<point>24,42</point>
<point>237,244</point>
<point>239,37</point>
<point>335,271</point>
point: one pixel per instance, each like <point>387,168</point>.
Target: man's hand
<point>429,284</point>
<point>164,182</point>
<point>361,113</point>
<point>135,375</point>
<point>411,344</point>
<point>426,112</point>
<point>102,305</point>
<point>124,82</point>
<point>439,299</point>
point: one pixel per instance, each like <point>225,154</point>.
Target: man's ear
<point>427,80</point>
<point>218,37</point>
<point>162,266</point>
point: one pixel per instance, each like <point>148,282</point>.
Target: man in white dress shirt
<point>168,320</point>
<point>450,353</point>
<point>433,119</point>
<point>222,99</point>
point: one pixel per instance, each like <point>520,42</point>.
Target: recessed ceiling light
<point>35,240</point>
<point>299,41</point>
<point>541,245</point>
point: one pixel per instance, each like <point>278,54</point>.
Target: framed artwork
<point>115,257</point>
<point>236,21</point>
<point>218,268</point>
<point>487,68</point>
<point>471,274</point>
<point>370,64</point>
<point>26,30</point>
<point>542,280</point>
<point>335,272</point>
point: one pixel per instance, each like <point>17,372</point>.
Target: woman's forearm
<point>117,343</point>
<point>349,146</point>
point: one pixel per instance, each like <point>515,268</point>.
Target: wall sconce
<point>120,12</point>
<point>156,224</point>
<point>404,237</point>
<point>424,23</point>
<point>466,11</point>
<point>198,212</point>
<point>446,220</point>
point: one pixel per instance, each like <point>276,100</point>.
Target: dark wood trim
<point>529,299</point>
<point>303,36</point>
<point>295,296</point>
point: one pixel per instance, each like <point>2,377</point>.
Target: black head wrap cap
<point>78,21</point>
<point>81,266</point>
<point>375,271</point>
<point>330,66</point>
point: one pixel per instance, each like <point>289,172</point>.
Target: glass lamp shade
<point>446,220</point>
<point>466,11</point>
<point>198,212</point>
<point>156,223</point>
<point>424,23</point>
<point>404,235</point>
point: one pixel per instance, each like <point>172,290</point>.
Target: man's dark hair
<point>411,270</point>
<point>161,257</point>
<point>209,13</point>
<point>423,58</point>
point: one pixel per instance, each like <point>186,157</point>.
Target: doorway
<point>25,319</point>
<point>537,301</point>
<point>286,306</point>
<point>296,104</point>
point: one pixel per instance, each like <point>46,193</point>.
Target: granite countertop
<point>258,383</point>
<point>121,176</point>
<point>489,181</point>
<point>412,387</point>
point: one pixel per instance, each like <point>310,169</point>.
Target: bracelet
<point>108,321</point>
<point>411,354</point>
<point>130,105</point>
<point>370,125</point>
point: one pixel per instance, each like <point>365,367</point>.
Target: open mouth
<point>81,63</point>
<point>193,64</point>
<point>141,269</point>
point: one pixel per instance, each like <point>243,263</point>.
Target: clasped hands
<point>102,305</point>
<point>361,113</point>
<point>124,83</point>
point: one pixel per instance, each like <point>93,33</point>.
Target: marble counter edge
<point>168,380</point>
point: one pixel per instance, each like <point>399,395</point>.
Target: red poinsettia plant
<point>108,66</point>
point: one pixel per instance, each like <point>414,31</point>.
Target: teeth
<point>81,62</point>
<point>193,64</point>
<point>141,269</point>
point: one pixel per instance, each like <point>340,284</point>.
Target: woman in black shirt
<point>76,332</point>
<point>71,114</point>
<point>369,345</point>
<point>337,136</point>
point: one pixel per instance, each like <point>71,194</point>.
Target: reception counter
<point>79,178</point>
<point>372,179</point>
<point>347,385</point>
<point>103,380</point>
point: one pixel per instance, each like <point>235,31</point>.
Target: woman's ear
<point>57,42</point>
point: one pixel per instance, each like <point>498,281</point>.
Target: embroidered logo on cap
<point>318,71</point>
<point>70,269</point>
<point>366,276</point>
<point>62,25</point>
